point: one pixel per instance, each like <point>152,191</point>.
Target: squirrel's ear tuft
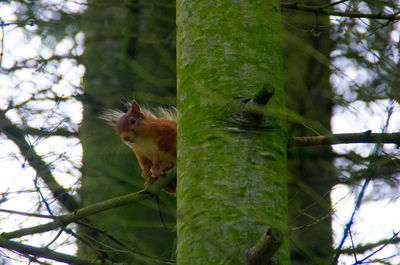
<point>135,107</point>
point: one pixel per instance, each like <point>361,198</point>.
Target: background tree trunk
<point>122,58</point>
<point>307,48</point>
<point>231,172</point>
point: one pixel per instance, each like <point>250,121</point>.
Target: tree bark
<point>232,167</point>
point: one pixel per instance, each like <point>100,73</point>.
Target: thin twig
<point>368,178</point>
<point>364,248</point>
<point>45,252</point>
<point>62,221</point>
<point>331,12</point>
<point>335,3</point>
<point>352,244</point>
<point>36,162</point>
<point>376,251</point>
<point>127,248</point>
<point>346,138</point>
<point>350,223</point>
<point>2,43</point>
<point>26,214</point>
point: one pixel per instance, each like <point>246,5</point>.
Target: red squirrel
<point>151,137</point>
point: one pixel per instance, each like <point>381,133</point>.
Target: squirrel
<point>151,136</point>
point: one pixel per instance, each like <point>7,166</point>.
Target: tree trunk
<point>231,169</point>
<point>311,170</point>
<point>121,63</point>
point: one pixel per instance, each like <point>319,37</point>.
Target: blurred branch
<point>367,247</point>
<point>17,23</point>
<point>61,221</point>
<point>127,248</point>
<point>346,138</point>
<point>26,214</point>
<point>351,221</point>
<point>46,133</point>
<point>364,259</point>
<point>38,62</point>
<point>46,253</point>
<point>2,44</point>
<point>36,162</point>
<point>321,10</point>
<point>369,174</point>
<point>335,3</point>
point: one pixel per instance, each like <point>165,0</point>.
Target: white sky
<point>375,220</point>
<point>17,176</point>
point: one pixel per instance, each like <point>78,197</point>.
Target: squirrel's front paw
<point>148,181</point>
<point>155,173</point>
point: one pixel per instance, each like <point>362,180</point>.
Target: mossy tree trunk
<point>231,171</point>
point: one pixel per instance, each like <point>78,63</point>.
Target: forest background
<point>78,59</point>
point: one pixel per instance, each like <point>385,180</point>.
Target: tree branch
<point>331,12</point>
<point>46,133</point>
<point>2,43</point>
<point>46,253</point>
<point>26,214</point>
<point>346,138</point>
<point>265,249</point>
<point>36,162</point>
<point>367,247</point>
<point>64,220</point>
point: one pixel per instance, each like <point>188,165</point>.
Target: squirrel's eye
<point>132,121</point>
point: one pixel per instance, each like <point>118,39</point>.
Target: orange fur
<point>152,139</point>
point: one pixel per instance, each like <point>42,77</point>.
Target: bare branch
<point>61,221</point>
<point>335,3</point>
<point>26,214</point>
<point>46,133</point>
<point>46,253</point>
<point>350,222</point>
<point>363,248</point>
<point>2,43</point>
<point>263,252</point>
<point>368,176</point>
<point>346,138</point>
<point>320,10</point>
<point>35,161</point>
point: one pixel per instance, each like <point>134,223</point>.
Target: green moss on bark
<point>231,179</point>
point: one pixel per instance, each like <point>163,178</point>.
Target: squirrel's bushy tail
<point>165,113</point>
<point>161,113</point>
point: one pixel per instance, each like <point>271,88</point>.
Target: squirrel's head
<point>130,125</point>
